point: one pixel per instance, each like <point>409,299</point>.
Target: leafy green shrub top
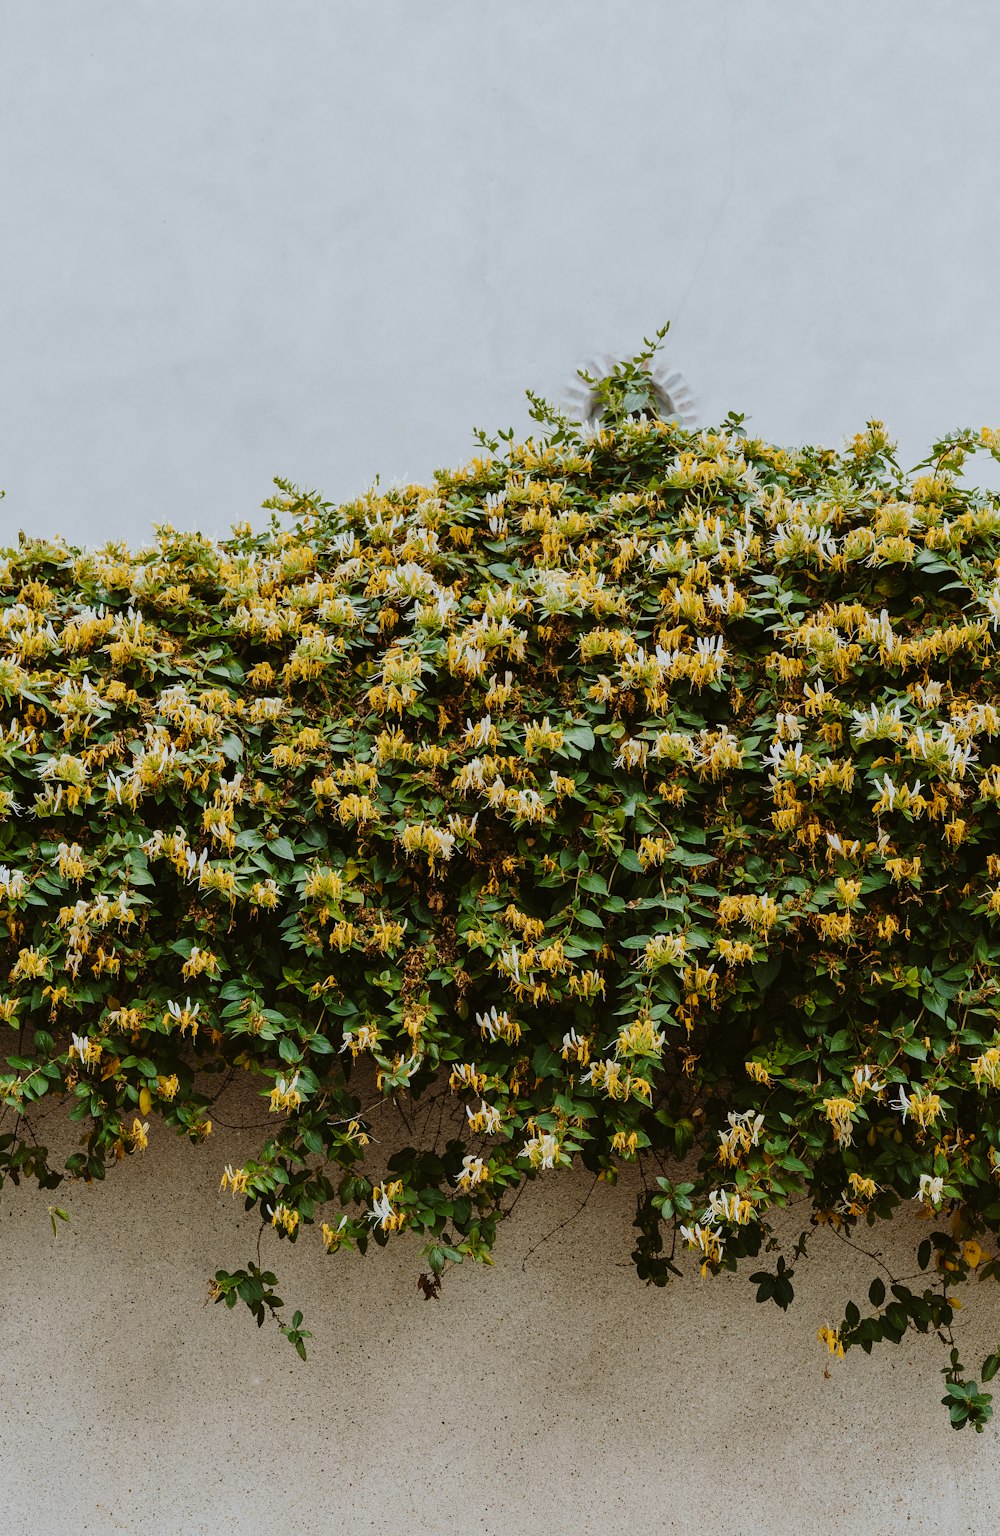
<point>628,795</point>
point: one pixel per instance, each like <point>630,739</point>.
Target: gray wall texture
<point>550,1394</point>
<point>324,240</point>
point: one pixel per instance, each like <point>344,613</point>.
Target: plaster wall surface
<point>551,1394</point>
<point>326,240</point>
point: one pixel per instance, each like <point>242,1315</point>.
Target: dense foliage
<point>629,794</point>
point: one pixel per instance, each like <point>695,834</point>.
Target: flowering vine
<point>628,795</point>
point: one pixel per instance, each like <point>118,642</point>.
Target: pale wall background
<point>323,240</point>
<point>552,1395</point>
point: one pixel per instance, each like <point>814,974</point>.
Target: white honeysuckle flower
<point>931,1189</point>
<point>749,1122</point>
<point>865,1080</point>
<point>959,758</point>
<point>488,1022</point>
<point>902,1104</point>
<point>195,863</point>
<point>80,1044</point>
<point>479,732</point>
<point>541,1150</point>
<point>177,1012</point>
<point>381,1210</point>
<point>474,1171</point>
<point>486,1117</point>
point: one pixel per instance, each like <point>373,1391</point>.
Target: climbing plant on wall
<point>628,795</point>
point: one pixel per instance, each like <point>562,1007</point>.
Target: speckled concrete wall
<point>553,1394</point>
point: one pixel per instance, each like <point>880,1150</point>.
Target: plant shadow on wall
<point>625,796</point>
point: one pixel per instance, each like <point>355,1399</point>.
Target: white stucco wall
<point>552,1395</point>
<point>324,240</point>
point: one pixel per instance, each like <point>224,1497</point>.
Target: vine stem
<point>565,1223</point>
<point>869,1254</point>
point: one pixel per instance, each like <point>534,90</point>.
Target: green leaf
<point>596,884</point>
<point>280,847</point>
